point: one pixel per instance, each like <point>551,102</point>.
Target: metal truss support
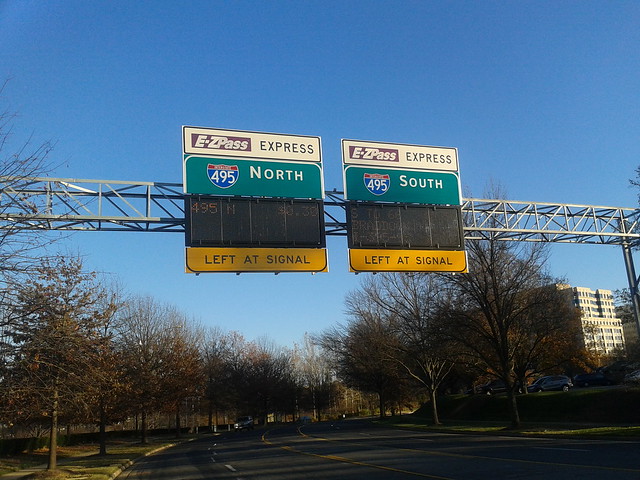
<point>633,283</point>
<point>71,204</point>
<point>550,222</point>
<point>108,205</point>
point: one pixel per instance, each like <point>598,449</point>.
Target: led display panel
<point>251,222</point>
<point>402,226</point>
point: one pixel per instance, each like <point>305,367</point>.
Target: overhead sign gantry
<point>404,209</point>
<point>253,202</point>
<point>40,203</point>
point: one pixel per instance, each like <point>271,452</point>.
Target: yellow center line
<point>457,455</point>
<point>347,460</point>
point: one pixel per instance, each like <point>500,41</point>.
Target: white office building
<point>601,329</point>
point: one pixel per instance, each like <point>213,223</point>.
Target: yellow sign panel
<point>375,260</point>
<point>219,259</point>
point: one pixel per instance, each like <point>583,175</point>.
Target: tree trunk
<point>513,408</point>
<point>143,437</point>
<point>434,407</point>
<point>178,433</point>
<point>53,435</point>
<point>103,428</point>
<point>383,406</point>
<point>315,407</point>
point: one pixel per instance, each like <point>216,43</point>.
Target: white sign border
<point>405,151</point>
<point>279,140</point>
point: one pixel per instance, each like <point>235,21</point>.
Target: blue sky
<point>542,97</point>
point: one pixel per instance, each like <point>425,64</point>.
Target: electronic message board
<point>402,226</point>
<point>253,222</point>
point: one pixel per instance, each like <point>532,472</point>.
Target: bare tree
<point>270,380</point>
<point>636,181</point>
<point>109,386</point>
<point>56,325</point>
<point>183,373</point>
<point>20,162</point>
<point>624,311</point>
<point>160,350</point>
<point>414,302</point>
<point>20,240</point>
<point>548,335</point>
<point>237,368</point>
<point>493,306</point>
<point>141,341</point>
<point>315,373</point>
<point>362,351</point>
<point>218,381</point>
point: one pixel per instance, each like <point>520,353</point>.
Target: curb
<point>18,474</point>
<point>128,464</point>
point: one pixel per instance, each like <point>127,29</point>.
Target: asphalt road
<point>349,450</point>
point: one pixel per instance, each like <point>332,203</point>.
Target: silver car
<point>244,423</point>
<point>551,382</point>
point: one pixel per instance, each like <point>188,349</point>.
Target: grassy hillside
<point>587,406</point>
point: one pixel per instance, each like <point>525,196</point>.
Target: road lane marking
<point>231,468</point>
<point>349,461</point>
<point>453,455</point>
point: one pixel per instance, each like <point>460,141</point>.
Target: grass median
<point>83,461</point>
<point>587,412</point>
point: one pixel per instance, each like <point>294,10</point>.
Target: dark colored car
<point>591,379</point>
<point>492,387</point>
<point>551,382</point>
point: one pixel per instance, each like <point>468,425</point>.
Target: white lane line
<point>231,468</point>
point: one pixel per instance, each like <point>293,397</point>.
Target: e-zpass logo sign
<point>373,153</point>
<point>376,183</point>
<point>218,142</point>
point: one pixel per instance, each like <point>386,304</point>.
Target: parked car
<point>618,370</point>
<point>551,382</point>
<point>244,423</point>
<point>632,378</point>
<point>592,379</point>
<point>491,388</point>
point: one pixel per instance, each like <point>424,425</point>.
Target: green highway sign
<point>238,162</point>
<point>266,178</point>
<point>368,183</point>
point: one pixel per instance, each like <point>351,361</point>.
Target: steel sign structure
<point>111,205</point>
<point>43,203</point>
